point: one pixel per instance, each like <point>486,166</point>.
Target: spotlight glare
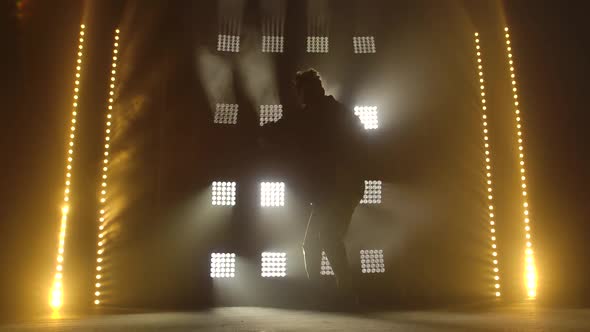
<point>317,44</point>
<point>364,44</point>
<point>228,43</point>
<point>223,265</point>
<point>226,114</point>
<point>270,113</point>
<point>326,268</point>
<point>272,194</point>
<point>274,264</point>
<point>372,261</point>
<point>223,193</point>
<point>372,194</point>
<point>368,116</point>
<point>273,44</point>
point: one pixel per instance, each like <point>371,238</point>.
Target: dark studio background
<point>166,151</point>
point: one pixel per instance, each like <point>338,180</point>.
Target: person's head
<point>309,86</point>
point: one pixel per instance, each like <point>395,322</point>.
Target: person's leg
<point>336,221</point>
<point>312,250</point>
<point>332,238</point>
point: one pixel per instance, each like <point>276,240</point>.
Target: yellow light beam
<point>487,169</point>
<point>103,215</point>
<point>530,271</point>
<point>56,292</point>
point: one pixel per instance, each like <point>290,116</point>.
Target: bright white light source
<point>223,265</point>
<point>273,44</point>
<point>365,44</point>
<point>270,113</point>
<point>368,116</point>
<point>326,269</point>
<point>226,113</point>
<point>228,43</point>
<point>372,261</point>
<point>372,193</point>
<point>272,194</point>
<point>274,264</point>
<point>317,44</point>
<point>223,193</point>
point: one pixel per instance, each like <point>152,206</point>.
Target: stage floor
<point>521,318</point>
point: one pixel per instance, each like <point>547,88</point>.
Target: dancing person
<point>331,154</point>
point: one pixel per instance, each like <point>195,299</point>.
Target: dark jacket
<point>327,145</point>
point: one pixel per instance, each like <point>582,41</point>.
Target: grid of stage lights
<point>226,113</point>
<point>530,274</point>
<point>223,265</point>
<point>223,193</point>
<point>228,43</point>
<point>317,44</point>
<point>372,261</point>
<point>488,168</point>
<point>272,194</point>
<point>274,264</point>
<point>372,193</point>
<point>364,44</point>
<point>270,113</point>
<point>273,44</point>
<point>102,232</point>
<point>326,268</point>
<point>56,293</point>
<point>368,116</point>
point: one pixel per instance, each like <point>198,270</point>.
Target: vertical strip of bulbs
<point>102,230</point>
<point>56,293</point>
<point>488,169</point>
<point>530,274</point>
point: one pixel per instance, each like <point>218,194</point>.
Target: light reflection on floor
<point>517,318</point>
